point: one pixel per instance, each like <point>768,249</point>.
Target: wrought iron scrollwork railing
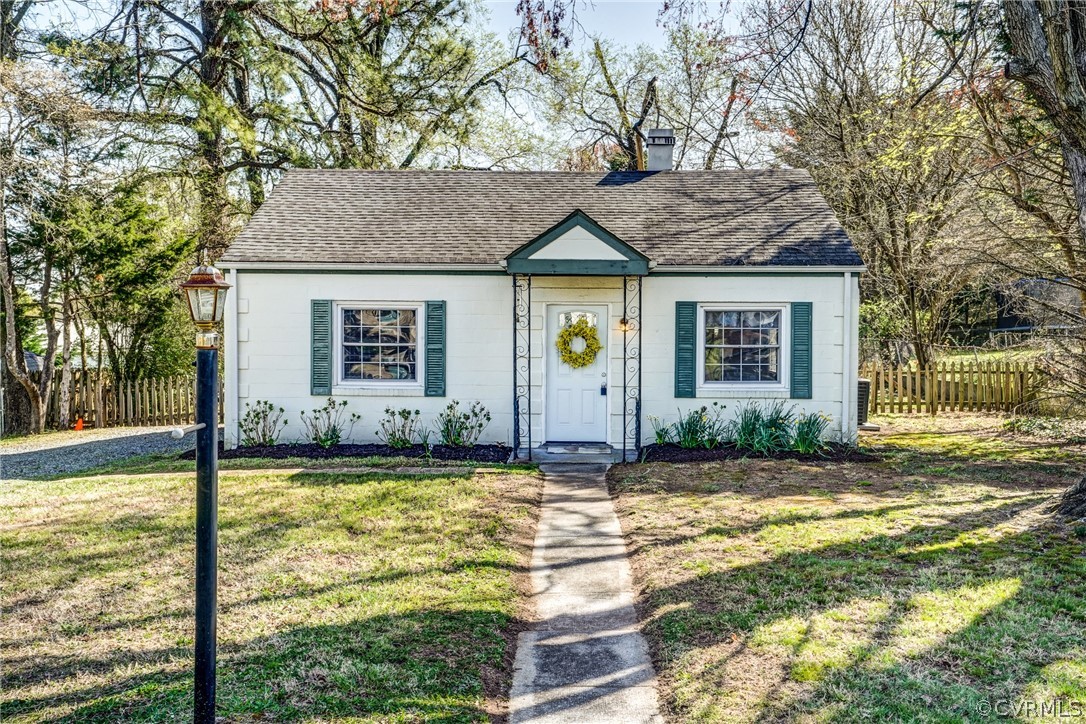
<point>522,364</point>
<point>631,365</point>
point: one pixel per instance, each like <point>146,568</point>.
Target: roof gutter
<point>759,268</point>
<point>501,267</point>
<point>303,266</point>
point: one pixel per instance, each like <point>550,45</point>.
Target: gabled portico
<point>577,403</point>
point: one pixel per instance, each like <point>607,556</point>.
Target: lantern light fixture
<point>205,290</point>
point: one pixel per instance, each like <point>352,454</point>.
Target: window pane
<point>398,371</point>
<point>567,318</point>
<point>742,345</point>
<point>380,344</point>
<point>753,337</point>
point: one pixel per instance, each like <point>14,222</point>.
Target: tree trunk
<point>211,173</point>
<point>1075,160</point>
<point>253,180</point>
<point>13,347</point>
<point>64,406</point>
<point>1072,504</point>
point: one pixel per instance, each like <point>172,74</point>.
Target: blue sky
<point>632,23</point>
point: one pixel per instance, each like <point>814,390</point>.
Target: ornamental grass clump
<point>809,433</point>
<point>400,427</point>
<point>327,426</point>
<point>261,424</point>
<point>763,431</point>
<point>462,428</point>
<point>703,427</point>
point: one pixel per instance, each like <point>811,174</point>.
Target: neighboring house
<point>1036,305</point>
<point>415,288</point>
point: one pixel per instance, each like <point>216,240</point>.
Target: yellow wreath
<point>581,328</point>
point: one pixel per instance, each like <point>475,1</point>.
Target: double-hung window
<point>379,343</point>
<point>742,345</point>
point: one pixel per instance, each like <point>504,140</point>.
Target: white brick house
<point>410,289</point>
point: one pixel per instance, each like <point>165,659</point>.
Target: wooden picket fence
<point>145,402</point>
<point>952,387</point>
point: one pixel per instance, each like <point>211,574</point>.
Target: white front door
<point>576,398</point>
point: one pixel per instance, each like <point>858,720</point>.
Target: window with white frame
<point>379,343</point>
<point>742,345</point>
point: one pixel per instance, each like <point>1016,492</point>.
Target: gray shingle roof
<point>725,218</point>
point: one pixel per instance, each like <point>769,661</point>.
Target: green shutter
<point>320,373</point>
<point>435,349</point>
<point>801,350</point>
<point>686,333</point>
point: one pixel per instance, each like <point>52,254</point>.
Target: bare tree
<point>1047,41</point>
<point>861,100</point>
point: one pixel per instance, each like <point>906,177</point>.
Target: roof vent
<point>661,149</point>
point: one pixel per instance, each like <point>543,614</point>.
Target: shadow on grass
<point>385,596</point>
<point>920,625</point>
<point>432,665</point>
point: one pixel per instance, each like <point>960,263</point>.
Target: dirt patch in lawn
<point>478,453</point>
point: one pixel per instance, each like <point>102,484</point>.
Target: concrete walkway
<point>584,660</point>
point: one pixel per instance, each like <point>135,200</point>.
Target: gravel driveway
<point>58,453</point>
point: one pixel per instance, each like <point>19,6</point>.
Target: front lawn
<point>371,597</point>
<point>926,585</point>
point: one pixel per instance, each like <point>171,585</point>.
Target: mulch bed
<point>479,453</point>
<point>672,453</point>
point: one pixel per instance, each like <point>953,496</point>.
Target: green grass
<point>1011,354</point>
<point>342,597</point>
<point>170,463</point>
<point>916,587</point>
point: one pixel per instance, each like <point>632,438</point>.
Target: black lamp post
<point>205,290</point>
